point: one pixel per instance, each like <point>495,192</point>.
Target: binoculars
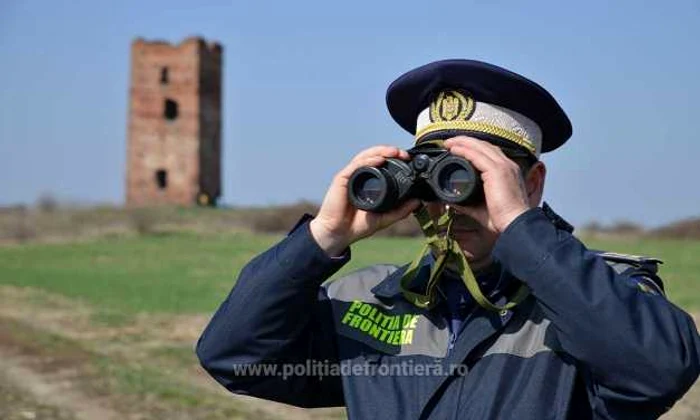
<point>431,174</point>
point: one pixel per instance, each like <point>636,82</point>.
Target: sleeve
<point>638,352</point>
<point>274,330</point>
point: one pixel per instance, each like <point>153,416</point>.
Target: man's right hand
<point>338,223</point>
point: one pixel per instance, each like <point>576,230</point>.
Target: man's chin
<point>475,263</point>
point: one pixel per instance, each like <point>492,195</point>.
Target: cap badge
<point>451,105</point>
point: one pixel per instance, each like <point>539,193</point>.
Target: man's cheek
<point>473,211</point>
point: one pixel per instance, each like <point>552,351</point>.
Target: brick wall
<point>174,133</point>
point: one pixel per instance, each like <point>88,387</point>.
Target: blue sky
<point>304,86</point>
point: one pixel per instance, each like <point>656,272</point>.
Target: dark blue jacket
<point>595,339</point>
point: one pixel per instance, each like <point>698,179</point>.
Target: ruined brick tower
<point>174,146</point>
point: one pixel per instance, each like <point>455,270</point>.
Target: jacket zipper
<point>451,343</point>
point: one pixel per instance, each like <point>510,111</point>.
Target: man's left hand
<point>504,187</point>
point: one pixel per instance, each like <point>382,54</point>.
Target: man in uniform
<point>517,320</point>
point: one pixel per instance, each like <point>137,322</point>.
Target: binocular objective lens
<point>368,188</point>
<point>455,180</point>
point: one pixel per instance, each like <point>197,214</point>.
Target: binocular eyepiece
<point>432,174</point>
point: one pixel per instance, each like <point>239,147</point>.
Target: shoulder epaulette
<point>635,265</point>
<point>635,260</point>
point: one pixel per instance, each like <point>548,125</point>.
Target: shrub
<point>22,230</point>
<point>47,203</point>
<point>684,229</point>
<point>625,227</point>
<point>142,220</point>
<point>279,219</point>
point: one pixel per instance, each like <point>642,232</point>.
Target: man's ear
<point>534,183</point>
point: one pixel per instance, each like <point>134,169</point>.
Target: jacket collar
<point>390,287</point>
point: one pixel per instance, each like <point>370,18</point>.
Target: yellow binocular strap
<point>447,249</point>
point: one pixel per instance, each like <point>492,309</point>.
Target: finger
<point>481,161</point>
<point>358,163</point>
<point>385,151</point>
<point>457,141</point>
<point>373,156</point>
<point>492,151</point>
<point>403,155</point>
<point>465,141</point>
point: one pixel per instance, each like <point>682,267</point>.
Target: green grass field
<point>122,313</point>
<point>188,273</point>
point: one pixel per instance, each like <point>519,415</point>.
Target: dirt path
<point>30,394</point>
<point>15,404</point>
<point>135,341</point>
<point>54,392</point>
<point>37,384</point>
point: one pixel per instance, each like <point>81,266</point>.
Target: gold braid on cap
<point>479,127</point>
